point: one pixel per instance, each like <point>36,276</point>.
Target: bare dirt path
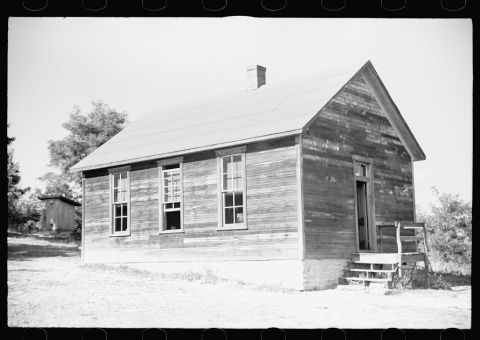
<point>49,287</point>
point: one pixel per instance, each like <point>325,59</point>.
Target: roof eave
<point>184,152</point>
<point>392,112</point>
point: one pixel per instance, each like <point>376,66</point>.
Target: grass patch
<point>205,276</point>
<point>418,278</point>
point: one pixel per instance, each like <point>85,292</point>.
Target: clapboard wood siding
<point>353,123</point>
<point>59,213</point>
<point>271,212</point>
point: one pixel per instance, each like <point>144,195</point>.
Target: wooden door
<point>362,216</point>
<point>364,204</point>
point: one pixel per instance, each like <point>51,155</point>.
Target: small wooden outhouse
<point>58,213</point>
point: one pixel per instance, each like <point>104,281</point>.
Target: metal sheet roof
<point>270,111</point>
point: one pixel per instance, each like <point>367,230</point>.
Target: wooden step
<point>373,270</point>
<point>375,258</point>
<point>367,279</point>
<point>387,258</point>
<point>369,265</point>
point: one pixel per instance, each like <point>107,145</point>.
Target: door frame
<point>372,228</point>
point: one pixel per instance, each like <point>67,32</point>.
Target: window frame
<point>221,154</point>
<point>161,204</point>
<point>112,173</point>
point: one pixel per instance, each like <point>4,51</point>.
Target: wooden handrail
<point>399,238</point>
<point>398,226</point>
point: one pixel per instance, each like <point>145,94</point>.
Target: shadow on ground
<point>25,252</point>
<point>457,280</point>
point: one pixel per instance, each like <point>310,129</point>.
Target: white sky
<point>142,64</point>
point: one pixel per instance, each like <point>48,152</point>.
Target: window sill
<point>120,234</point>
<point>173,231</point>
<point>240,227</point>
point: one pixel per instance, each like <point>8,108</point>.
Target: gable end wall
<point>351,124</point>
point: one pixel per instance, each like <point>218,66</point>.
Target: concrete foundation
<point>293,274</point>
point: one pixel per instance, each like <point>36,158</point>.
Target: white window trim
<point>161,212</point>
<point>221,211</point>
<point>127,232</point>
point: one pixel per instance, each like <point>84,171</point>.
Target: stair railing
<point>401,225</point>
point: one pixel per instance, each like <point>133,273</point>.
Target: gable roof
<point>271,111</point>
<point>61,198</point>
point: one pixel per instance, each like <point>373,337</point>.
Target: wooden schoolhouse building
<point>282,183</point>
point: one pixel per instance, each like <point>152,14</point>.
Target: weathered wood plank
<point>352,123</point>
<point>271,211</point>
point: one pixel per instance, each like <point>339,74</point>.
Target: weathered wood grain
<point>271,212</point>
<point>353,123</point>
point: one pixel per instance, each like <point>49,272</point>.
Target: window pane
<point>176,178</point>
<point>118,224</point>
<point>227,183</point>
<point>118,210</point>
<point>228,199</point>
<point>123,182</point>
<point>116,178</point>
<point>238,199</point>
<point>124,224</point>
<point>115,195</point>
<point>228,215</point>
<point>357,169</point>
<point>172,166</point>
<point>167,175</point>
<point>169,206</point>
<point>363,168</point>
<point>172,220</point>
<point>176,193</point>
<point>176,205</point>
<point>237,181</point>
<point>360,169</point>
<point>226,164</point>
<point>237,161</point>
<point>238,215</point>
<point>167,194</point>
<point>124,208</point>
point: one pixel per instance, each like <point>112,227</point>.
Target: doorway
<point>364,217</point>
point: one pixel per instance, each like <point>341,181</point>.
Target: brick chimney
<point>255,77</point>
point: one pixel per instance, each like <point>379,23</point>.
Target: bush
<point>28,214</point>
<point>449,231</point>
<point>418,278</point>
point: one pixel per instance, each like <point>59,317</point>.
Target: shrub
<point>418,278</point>
<point>28,211</point>
<point>449,229</point>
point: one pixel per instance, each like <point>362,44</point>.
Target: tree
<point>87,132</point>
<point>61,184</point>
<point>15,192</point>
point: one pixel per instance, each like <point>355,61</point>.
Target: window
<point>171,195</point>
<point>361,169</point>
<point>120,197</point>
<point>232,190</point>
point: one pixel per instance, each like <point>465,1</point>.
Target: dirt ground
<point>49,287</point>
